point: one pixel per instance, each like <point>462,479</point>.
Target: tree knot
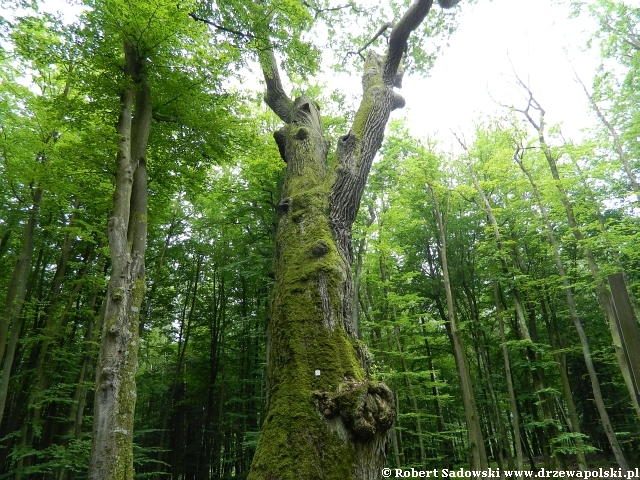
<point>319,249</point>
<point>365,408</point>
<point>117,294</point>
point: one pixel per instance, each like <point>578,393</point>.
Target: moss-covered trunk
<point>325,419</point>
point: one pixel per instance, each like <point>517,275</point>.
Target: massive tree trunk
<point>324,418</point>
<point>115,388</point>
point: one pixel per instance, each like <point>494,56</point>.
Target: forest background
<point>496,237</point>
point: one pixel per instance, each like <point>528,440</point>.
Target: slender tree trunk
<point>412,397</point>
<point>144,314</point>
<point>479,459</point>
<point>115,389</point>
<point>183,341</point>
<point>604,297</point>
<point>515,416</point>
<point>525,330</point>
<point>504,452</point>
<point>561,359</point>
<point>445,447</point>
<point>387,313</point>
<point>76,414</point>
<point>50,333</point>
<point>584,343</point>
<point>15,299</point>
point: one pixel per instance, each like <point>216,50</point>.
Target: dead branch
<point>381,32</point>
<point>320,11</point>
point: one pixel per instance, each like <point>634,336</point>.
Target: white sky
<point>542,43</point>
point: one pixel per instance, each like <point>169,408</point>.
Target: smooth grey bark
<point>115,388</point>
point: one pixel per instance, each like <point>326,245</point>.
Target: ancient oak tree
<point>324,418</point>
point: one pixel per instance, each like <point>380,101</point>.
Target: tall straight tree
<point>115,391</point>
<point>324,418</point>
<point>478,453</point>
<point>157,47</point>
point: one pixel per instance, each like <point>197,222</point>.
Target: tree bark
<point>115,389</point>
<point>324,418</point>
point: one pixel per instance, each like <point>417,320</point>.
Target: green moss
<point>109,323</point>
<point>362,115</point>
<point>297,441</point>
<point>127,397</point>
<point>373,86</point>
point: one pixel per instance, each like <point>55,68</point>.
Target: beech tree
<point>324,418</point>
<point>148,32</point>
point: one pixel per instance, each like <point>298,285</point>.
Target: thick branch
<point>411,20</point>
<point>357,149</point>
<point>275,96</point>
